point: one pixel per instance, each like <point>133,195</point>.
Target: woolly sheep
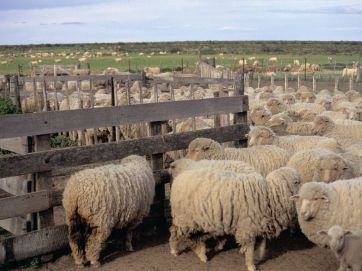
<point>181,165</point>
<point>311,106</point>
<point>326,102</point>
<point>259,115</point>
<point>308,97</point>
<point>334,115</point>
<point>260,135</point>
<point>321,165</point>
<point>321,205</point>
<point>346,246</point>
<point>283,125</point>
<point>323,125</point>
<point>264,159</point>
<point>353,95</point>
<point>307,115</point>
<point>288,98</point>
<point>275,106</point>
<point>111,196</point>
<point>201,201</point>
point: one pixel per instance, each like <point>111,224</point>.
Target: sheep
<point>349,72</point>
<point>183,164</point>
<point>353,95</point>
<point>283,125</point>
<point>260,135</point>
<point>308,97</point>
<point>346,246</point>
<point>288,98</point>
<point>322,205</point>
<point>314,107</point>
<point>321,165</point>
<point>275,106</point>
<point>152,70</point>
<point>263,158</point>
<point>307,115</point>
<point>334,115</point>
<point>344,134</point>
<point>110,196</point>
<point>259,115</point>
<point>202,202</point>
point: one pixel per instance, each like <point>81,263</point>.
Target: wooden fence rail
<point>51,122</point>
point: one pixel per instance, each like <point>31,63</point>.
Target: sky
<point>83,21</point>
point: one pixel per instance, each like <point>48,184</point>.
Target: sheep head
<point>259,115</point>
<point>311,197</point>
<point>203,148</point>
<point>308,97</point>
<point>322,125</point>
<point>335,236</point>
<point>179,166</point>
<point>260,135</point>
<point>275,106</point>
<point>331,168</point>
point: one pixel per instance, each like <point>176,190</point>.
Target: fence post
<point>272,79</point>
<point>336,83</point>
<point>285,81</point>
<point>259,79</point>
<point>217,117</point>
<point>240,117</point>
<point>350,83</point>
<point>43,181</point>
<point>157,165</point>
<point>14,90</point>
<point>298,81</point>
<point>314,83</point>
<point>305,69</point>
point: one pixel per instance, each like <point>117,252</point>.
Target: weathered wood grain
<point>75,156</point>
<point>51,122</point>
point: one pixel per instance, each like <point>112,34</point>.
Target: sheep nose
<point>306,215</point>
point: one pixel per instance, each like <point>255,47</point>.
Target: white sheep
<point>264,159</point>
<point>219,202</point>
<point>321,165</point>
<point>321,205</point>
<point>260,135</point>
<point>183,164</point>
<point>346,245</point>
<point>259,115</point>
<point>111,196</point>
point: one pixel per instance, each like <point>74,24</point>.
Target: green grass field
<point>316,52</point>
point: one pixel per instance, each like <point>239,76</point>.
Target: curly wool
<point>324,125</point>
<point>264,159</point>
<point>260,135</point>
<point>341,207</point>
<point>181,165</point>
<point>320,165</point>
<point>110,196</point>
<point>311,106</point>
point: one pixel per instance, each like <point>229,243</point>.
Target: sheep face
<point>260,136</point>
<point>327,104</point>
<point>259,116</point>
<point>203,148</point>
<point>321,125</point>
<point>275,106</point>
<point>336,236</point>
<point>288,99</point>
<point>308,97</point>
<point>179,166</point>
<point>356,115</point>
<point>330,170</point>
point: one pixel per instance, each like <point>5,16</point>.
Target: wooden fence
<point>38,162</point>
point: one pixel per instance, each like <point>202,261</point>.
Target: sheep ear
<point>295,197</point>
<point>345,168</point>
<point>322,233</point>
<point>347,232</point>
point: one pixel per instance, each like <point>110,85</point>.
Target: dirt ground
<point>284,254</point>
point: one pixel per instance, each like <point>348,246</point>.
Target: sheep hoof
<point>251,268</point>
<point>203,259</point>
<point>79,265</point>
<point>174,252</point>
<point>130,249</point>
<point>96,264</point>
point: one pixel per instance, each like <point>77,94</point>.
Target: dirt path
<point>285,254</point>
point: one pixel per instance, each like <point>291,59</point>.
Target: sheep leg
<point>129,236</point>
<point>220,244</point>
<point>78,254</point>
<point>249,256</point>
<point>95,243</point>
<point>342,266</point>
<point>200,250</point>
<point>174,241</point>
<point>260,251</point>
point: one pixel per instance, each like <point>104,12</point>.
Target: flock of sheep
<point>302,167</point>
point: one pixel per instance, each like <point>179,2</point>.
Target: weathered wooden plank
<point>51,122</point>
<point>79,77</point>
<point>75,156</point>
<point>33,244</point>
<point>24,204</point>
<point>17,144</point>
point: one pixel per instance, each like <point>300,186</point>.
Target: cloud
<point>71,23</point>
<point>333,10</point>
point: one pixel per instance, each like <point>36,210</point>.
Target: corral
<point>42,168</point>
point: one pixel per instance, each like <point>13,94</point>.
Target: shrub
<point>7,106</point>
<point>60,141</point>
